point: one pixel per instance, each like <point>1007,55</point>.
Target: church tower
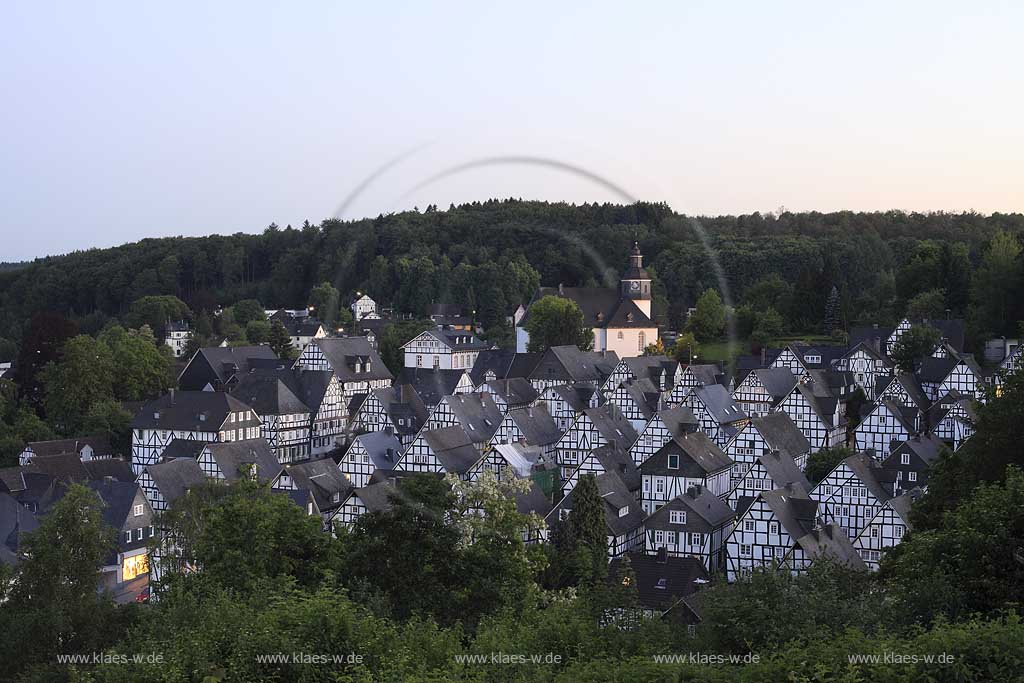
<point>636,283</point>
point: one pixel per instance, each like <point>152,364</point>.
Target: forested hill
<point>491,256</point>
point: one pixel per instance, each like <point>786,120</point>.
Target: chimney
<point>561,289</point>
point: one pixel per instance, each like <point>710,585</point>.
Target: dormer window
<point>359,367</point>
<point>623,511</point>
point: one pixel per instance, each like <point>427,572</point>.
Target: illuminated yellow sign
<point>134,566</point>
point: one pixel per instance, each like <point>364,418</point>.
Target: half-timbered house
<point>912,461</point>
<point>868,366</point>
<point>192,415</point>
<point>444,349</point>
<point>852,492</point>
<point>592,428</point>
<point>567,401</point>
<point>766,529</point>
<point>376,497</point>
<point>164,482</point>
<point>718,415</point>
<point>762,389</point>
<point>773,432</point>
<point>886,528</point>
<point>694,524</point>
<point>325,483</point>
<point>369,453</point>
<point>684,461</point>
<point>398,409</point>
<point>660,429</point>
<point>885,425</point>
<point>623,515</point>
<point>352,360</point>
<point>952,418</point>
<point>692,376</point>
<point>568,365</point>
<point>827,541</point>
<point>532,426</point>
<point>638,400</point>
<point>250,459</point>
<point>217,368</point>
<point>606,458</point>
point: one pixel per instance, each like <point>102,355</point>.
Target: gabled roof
<point>871,335</point>
<point>197,411</point>
<point>183,448</point>
<point>429,384</point>
<point>778,382</point>
<point>456,340</point>
<point>534,500</point>
<point>679,420</point>
<point>569,364</point>
<point>601,306</point>
<point>233,457</point>
<point>612,425</point>
<point>383,448</point>
<point>781,433</point>
<point>66,468</point>
<point>403,407</point>
<point>662,582</point>
<point>935,370</point>
<point>830,541</point>
<point>504,363</point>
<point>910,385</point>
<point>227,361</point>
<point>114,468</point>
<point>343,354</point>
<point>15,520</point>
<point>100,445</point>
<point>783,470</point>
<point>927,447</point>
<point>709,509</point>
<point>173,478</point>
<point>454,448</point>
<point>618,460</point>
<point>646,397</point>
<point>793,508</point>
<point>378,497</point>
<point>699,457</point>
<point>477,413</point>
<point>536,424</point>
<point>706,373</point>
<point>871,474</point>
<point>616,496</point>
<point>323,479</point>
<point>269,392</point>
<point>721,406</point>
<point>576,395</point>
<point>514,391</point>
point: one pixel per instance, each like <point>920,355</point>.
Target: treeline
<point>490,257</point>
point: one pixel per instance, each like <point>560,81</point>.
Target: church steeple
<point>636,283</point>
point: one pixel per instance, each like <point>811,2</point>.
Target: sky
<point>124,120</point>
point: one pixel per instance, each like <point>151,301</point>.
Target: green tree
<point>707,322</point>
<point>83,376</point>
<point>686,349</point>
<point>913,346</point>
<point>258,331</point>
<point>280,341</point>
<point>557,321</point>
<point>821,462</point>
<point>768,327</point>
<point>246,311</point>
<point>996,284</point>
<point>929,305</point>
<point>42,344</point>
<point>833,312</point>
<point>587,547</point>
<point>54,605</point>
<point>324,300</point>
<point>157,311</point>
<point>142,368</point>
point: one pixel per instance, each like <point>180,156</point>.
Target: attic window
<point>623,511</point>
<point>813,359</point>
<point>673,461</point>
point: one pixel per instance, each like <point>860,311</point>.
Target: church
<point>620,318</point>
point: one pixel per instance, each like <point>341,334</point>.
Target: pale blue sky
<point>122,120</point>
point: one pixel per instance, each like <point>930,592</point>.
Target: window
<point>779,552</point>
<point>623,511</point>
<point>563,515</point>
<point>419,361</point>
<point>659,485</point>
<point>695,539</point>
<point>899,531</point>
<point>745,550</point>
<point>641,341</point>
<point>677,517</point>
<point>748,525</point>
<point>874,532</point>
<point>128,536</point>
<point>620,335</point>
<point>659,537</point>
<point>673,461</point>
<point>670,538</point>
<point>138,534</point>
<point>773,528</point>
<point>137,510</point>
<point>912,476</point>
<point>905,459</point>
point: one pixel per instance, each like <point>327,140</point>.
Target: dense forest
<point>491,256</point>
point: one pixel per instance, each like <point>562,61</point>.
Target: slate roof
<point>618,460</point>
<point>477,413</point>
<point>342,353</point>
<point>429,384</point>
<point>323,479</point>
<point>709,511</point>
<point>707,374</point>
<point>783,470</point>
<point>832,542</point>
<point>699,457</point>
<point>232,456</point>
<point>383,448</point>
<point>536,424</point>
<point>183,448</point>
<point>173,478</point>
<point>601,306</point>
<point>378,497</point>
<point>871,335</point>
<point>454,448</point>
<point>612,425</point>
<point>533,501</point>
<point>456,340</point>
<point>679,420</point>
<point>199,411</point>
<point>505,364</point>
<point>721,406</point>
<point>928,447</point>
<point>514,391</point>
<point>66,468</point>
<point>778,382</point>
<point>872,475</point>
<point>100,445</point>
<point>115,468</point>
<point>781,433</point>
<point>227,361</point>
<point>793,508</point>
<point>403,407</point>
<point>569,364</point>
<point>662,582</point>
<point>617,495</point>
<point>576,395</point>
<point>935,370</point>
<point>118,497</point>
<point>268,393</point>
<point>909,383</point>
